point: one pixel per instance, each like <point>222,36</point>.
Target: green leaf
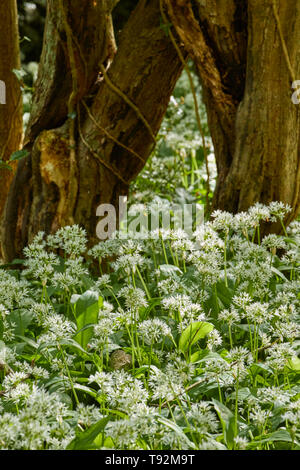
<point>28,341</point>
<point>227,420</point>
<point>168,270</point>
<point>20,319</point>
<point>19,155</point>
<point>278,273</point>
<point>176,429</point>
<point>5,165</point>
<point>294,364</point>
<point>85,389</point>
<point>277,436</point>
<point>86,308</point>
<point>224,293</point>
<point>193,333</point>
<point>86,439</point>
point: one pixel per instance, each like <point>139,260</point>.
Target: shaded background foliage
<point>32,20</point>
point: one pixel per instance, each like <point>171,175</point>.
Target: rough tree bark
<point>89,134</point>
<point>246,73</point>
<point>11,127</point>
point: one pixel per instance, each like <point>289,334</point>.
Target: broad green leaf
<point>86,439</point>
<point>28,341</point>
<point>18,155</point>
<point>85,389</point>
<point>176,429</point>
<point>227,421</point>
<point>294,364</point>
<point>224,293</point>
<point>277,436</point>
<point>278,273</point>
<point>86,308</point>
<point>193,333</point>
<point>20,319</point>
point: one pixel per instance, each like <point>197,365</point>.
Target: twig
<point>110,136</point>
<point>128,101</point>
<point>99,157</point>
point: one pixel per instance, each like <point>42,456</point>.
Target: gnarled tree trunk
<point>90,133</point>
<point>247,55</point>
<point>11,126</point>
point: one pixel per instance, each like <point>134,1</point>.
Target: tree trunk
<point>247,56</point>
<point>11,126</point>
<point>89,133</point>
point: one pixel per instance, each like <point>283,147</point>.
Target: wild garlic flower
<point>176,441</point>
<point>7,356</point>
<point>274,242</point>
<point>208,264</point>
<point>39,425</point>
<point>160,234</point>
<point>143,418</point>
<point>41,311</point>
<point>153,331</point>
<point>128,263</point>
<point>169,286</point>
<point>216,369</point>
<point>175,302</point>
<point>286,312</point>
<point>32,370</point>
<point>71,239</point>
<point>258,313</point>
<point>56,328</point>
<point>242,300</point>
<point>135,298</point>
<point>230,317</point>
<point>259,417</point>
<point>243,222</point>
<point>40,264</point>
<point>180,368</point>
<point>202,418</point>
<point>18,393</point>
<point>87,414</point>
<point>222,220</point>
<point>105,249</point>
<point>292,414</point>
<point>279,210</point>
<point>64,281</point>
<point>58,364</point>
<point>271,395</point>
<point>123,433</point>
<point>259,212</point>
<point>294,228</point>
<point>286,330</point>
<point>76,268</point>
<point>130,247</point>
<point>278,355</point>
<point>182,247</point>
<point>13,293</point>
<point>291,256</point>
<point>240,355</point>
<point>241,443</point>
<point>103,281</point>
<point>164,386</point>
<point>120,389</point>
<point>207,238</point>
<point>214,339</point>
